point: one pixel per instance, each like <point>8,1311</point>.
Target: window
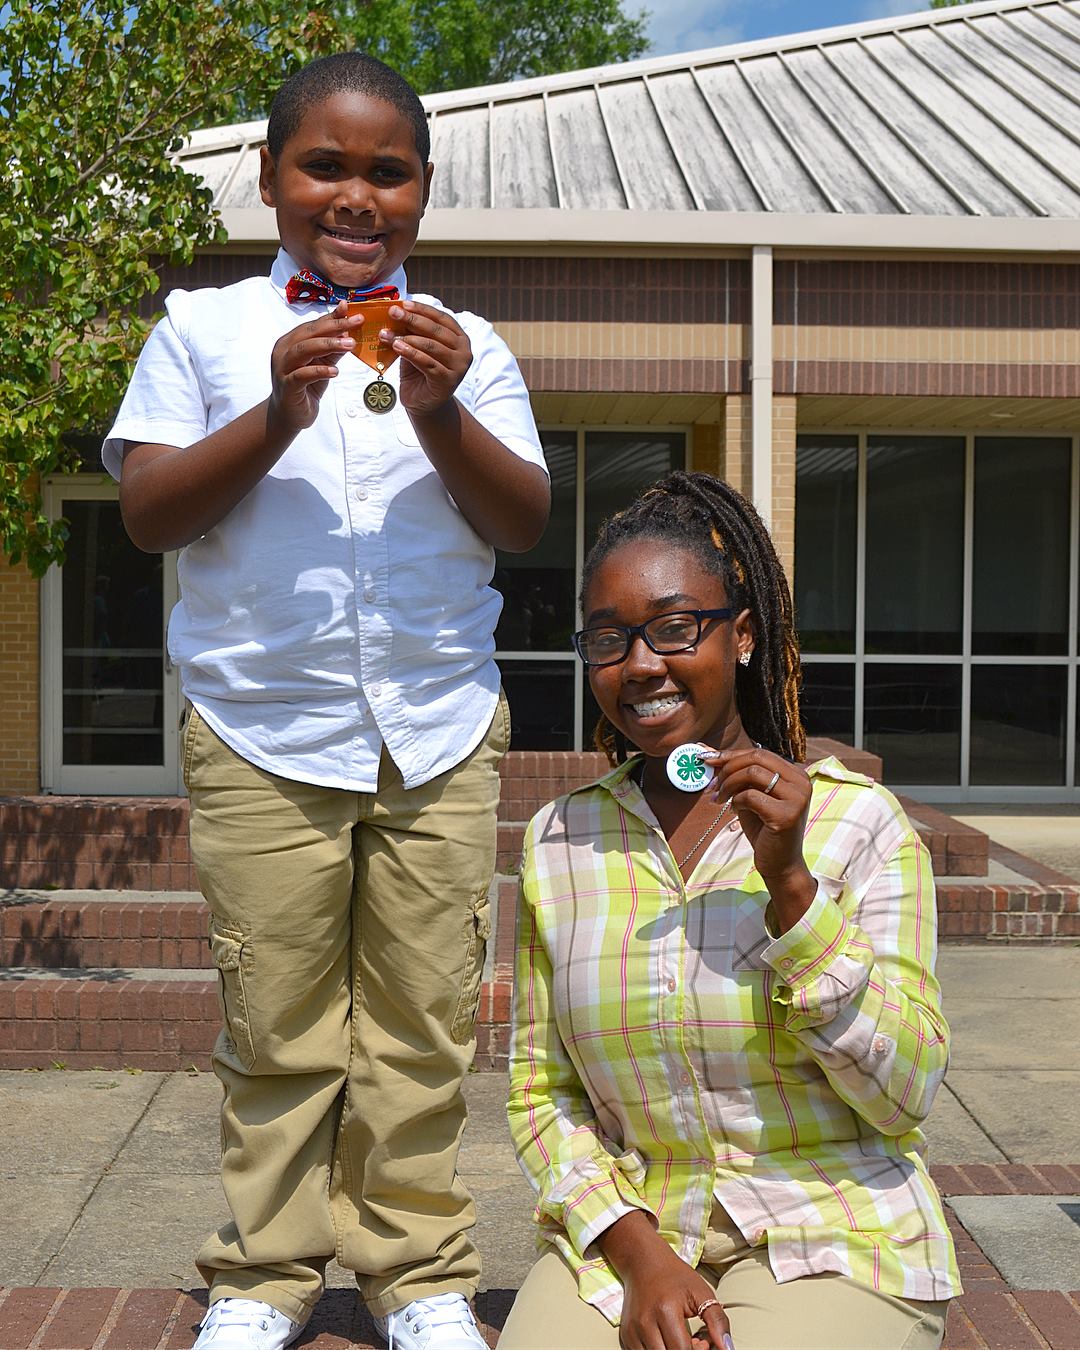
<point>593,473</point>
<point>936,597</point>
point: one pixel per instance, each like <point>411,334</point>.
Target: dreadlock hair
<point>708,518</point>
<point>344,72</point>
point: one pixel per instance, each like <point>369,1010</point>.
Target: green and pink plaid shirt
<point>668,1049</point>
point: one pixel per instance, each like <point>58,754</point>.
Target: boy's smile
<point>349,189</point>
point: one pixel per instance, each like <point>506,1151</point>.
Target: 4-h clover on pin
<point>686,769</point>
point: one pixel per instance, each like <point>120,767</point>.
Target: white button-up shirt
<point>345,603</point>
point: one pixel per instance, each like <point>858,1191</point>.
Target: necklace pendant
<point>686,770</point>
<point>379,396</point>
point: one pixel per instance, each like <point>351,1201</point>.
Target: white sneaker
<point>245,1324</point>
<point>442,1322</point>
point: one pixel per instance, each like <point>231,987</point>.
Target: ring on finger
<point>772,782</point>
<point>709,1303</point>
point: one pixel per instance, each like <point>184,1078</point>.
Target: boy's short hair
<point>344,72</point>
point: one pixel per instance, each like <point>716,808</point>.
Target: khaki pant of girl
<point>349,932</point>
<point>818,1312</point>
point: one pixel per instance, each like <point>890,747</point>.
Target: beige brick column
<point>20,681</point>
<point>783,485</point>
<point>736,442</point>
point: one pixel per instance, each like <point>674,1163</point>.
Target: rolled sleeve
<point>819,972</point>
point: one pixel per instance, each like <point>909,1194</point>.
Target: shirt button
<point>360,494</point>
<point>351,410</point>
<point>786,963</point>
<point>685,1079</point>
<point>671,986</point>
<point>369,597</point>
<point>376,690</point>
<point>880,1045</point>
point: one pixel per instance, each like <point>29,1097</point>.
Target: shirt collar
<point>285,267</point>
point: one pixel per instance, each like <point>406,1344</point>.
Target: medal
<point>379,396</point>
<point>685,768</point>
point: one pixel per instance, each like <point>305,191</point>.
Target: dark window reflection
<point>826,477</point>
<point>911,718</point>
<point>914,544</point>
<point>1021,555</point>
<point>828,701</point>
<point>538,587</point>
<point>1018,724</point>
<point>541,698</point>
<point>618,464</point>
<point>112,642</point>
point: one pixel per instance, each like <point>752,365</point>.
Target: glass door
<point>110,698</point>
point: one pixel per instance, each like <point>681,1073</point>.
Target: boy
<point>335,638</point>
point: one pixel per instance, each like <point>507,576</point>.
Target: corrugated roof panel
<point>1003,154</point>
<point>1058,96</point>
<point>243,190</point>
<point>961,169</point>
<point>651,173</point>
<point>782,176</point>
<point>588,177</point>
<point>706,154</point>
<point>810,130</point>
<point>461,155</point>
<point>521,156</point>
<point>892,159</point>
<point>213,169</point>
<point>1046,47</point>
<point>1055,158</point>
<point>1065,18</point>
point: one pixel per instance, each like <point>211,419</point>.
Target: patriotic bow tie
<point>305,286</point>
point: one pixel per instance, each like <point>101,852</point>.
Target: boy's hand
<point>435,355</point>
<point>303,362</point>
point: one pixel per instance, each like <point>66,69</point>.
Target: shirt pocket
<point>403,427</point>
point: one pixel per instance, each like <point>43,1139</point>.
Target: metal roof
<point>965,112</point>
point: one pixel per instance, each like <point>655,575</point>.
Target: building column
<point>20,681</point>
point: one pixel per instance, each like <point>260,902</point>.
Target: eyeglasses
<point>676,632</point>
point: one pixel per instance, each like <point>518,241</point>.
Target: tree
<point>96,96</point>
<point>458,44</point>
<point>948,4</point>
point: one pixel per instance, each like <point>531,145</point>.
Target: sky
<point>686,25</point>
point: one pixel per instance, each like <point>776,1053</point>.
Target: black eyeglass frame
<point>631,631</point>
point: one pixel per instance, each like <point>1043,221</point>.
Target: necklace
<point>723,812</point>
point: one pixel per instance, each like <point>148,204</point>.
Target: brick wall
<point>20,767</point>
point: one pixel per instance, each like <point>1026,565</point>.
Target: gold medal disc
<point>379,397</point>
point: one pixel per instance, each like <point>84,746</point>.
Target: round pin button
<point>686,770</point>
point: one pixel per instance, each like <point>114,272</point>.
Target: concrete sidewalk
<point>113,1174</point>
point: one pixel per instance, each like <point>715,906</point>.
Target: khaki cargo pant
<point>349,931</point>
<point>818,1312</point>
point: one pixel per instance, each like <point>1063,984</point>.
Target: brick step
<point>141,843</point>
<point>166,1319</point>
<point>155,1019</point>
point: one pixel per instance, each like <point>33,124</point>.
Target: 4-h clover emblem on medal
<point>686,769</point>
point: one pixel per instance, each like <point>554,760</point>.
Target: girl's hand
<point>771,798</point>
<point>302,364</point>
<point>660,1298</point>
<point>435,355</point>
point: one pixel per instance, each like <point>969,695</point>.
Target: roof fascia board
<point>661,233</point>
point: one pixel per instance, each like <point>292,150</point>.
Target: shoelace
<point>224,1313</point>
<point>441,1310</point>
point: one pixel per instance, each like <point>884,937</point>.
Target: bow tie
<point>305,286</point>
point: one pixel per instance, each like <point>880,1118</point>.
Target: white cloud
<point>688,25</point>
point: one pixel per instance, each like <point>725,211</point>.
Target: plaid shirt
<point>668,1049</point>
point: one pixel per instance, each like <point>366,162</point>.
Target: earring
<point>744,658</point>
